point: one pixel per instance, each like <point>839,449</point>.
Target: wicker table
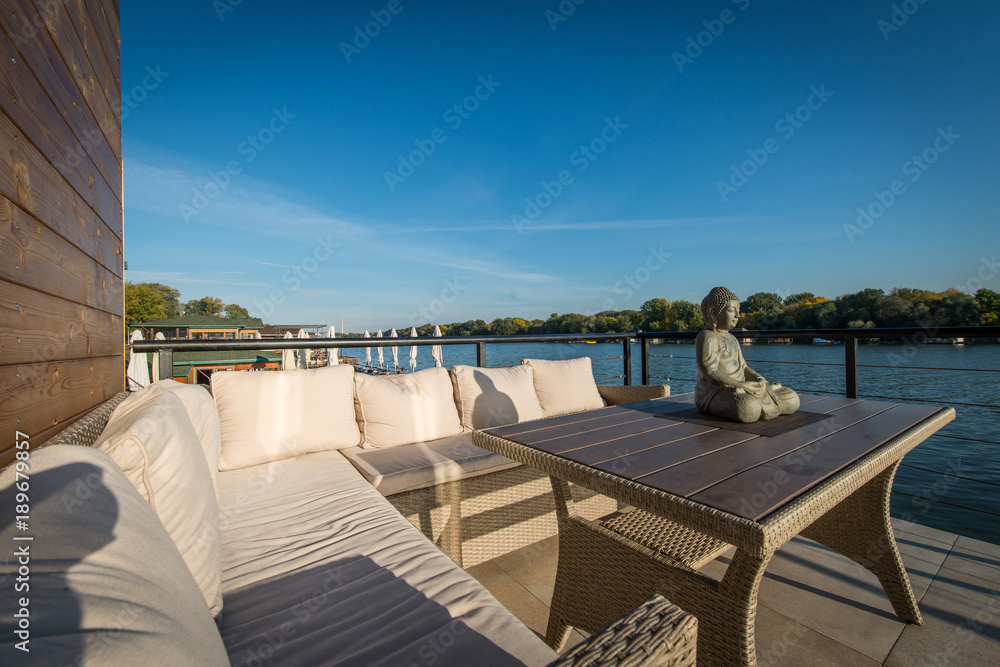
<point>695,486</point>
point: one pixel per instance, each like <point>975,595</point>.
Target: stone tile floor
<point>816,607</point>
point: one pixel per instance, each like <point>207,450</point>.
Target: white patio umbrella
<point>156,359</point>
<point>332,359</point>
<point>395,350</point>
<point>256,334</point>
<point>436,349</point>
<point>381,357</point>
<point>137,371</point>
<point>368,350</point>
<point>288,356</point>
<point>303,355</point>
<point>413,350</point>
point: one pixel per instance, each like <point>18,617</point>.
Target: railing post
<point>645,360</point>
<point>851,365</point>
<point>480,354</point>
<point>627,359</point>
<point>166,363</point>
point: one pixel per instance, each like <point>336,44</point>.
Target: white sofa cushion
<point>318,568</point>
<point>565,386</point>
<point>271,415</point>
<point>152,439</point>
<point>407,408</point>
<point>108,586</point>
<point>407,467</point>
<point>204,416</point>
<point>488,397</point>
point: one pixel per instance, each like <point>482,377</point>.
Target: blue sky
<point>470,160</point>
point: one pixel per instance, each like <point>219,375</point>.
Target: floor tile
<point>955,631</point>
<point>783,642</point>
<point>512,595</point>
<point>534,567</point>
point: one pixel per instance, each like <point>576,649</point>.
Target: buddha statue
<point>726,386</point>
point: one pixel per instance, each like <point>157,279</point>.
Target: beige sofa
<point>239,531</point>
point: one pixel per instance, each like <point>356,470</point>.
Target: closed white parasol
<point>413,350</point>
<point>137,370</point>
<point>395,350</point>
<point>436,349</point>
<point>381,354</point>
<point>332,358</point>
<point>288,356</point>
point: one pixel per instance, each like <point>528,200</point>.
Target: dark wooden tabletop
<point>744,473</point>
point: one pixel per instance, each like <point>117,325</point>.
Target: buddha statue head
<point>716,309</point>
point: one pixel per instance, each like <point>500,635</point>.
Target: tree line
<point>145,302</point>
<point>900,307</point>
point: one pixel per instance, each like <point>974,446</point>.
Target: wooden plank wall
<point>61,269</point>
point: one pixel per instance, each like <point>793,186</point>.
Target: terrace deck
<point>817,607</point>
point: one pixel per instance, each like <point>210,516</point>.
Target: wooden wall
<point>61,279</point>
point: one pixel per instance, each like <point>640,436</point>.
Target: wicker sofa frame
<point>654,633</point>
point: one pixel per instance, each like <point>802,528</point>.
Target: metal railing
<point>851,339</point>
<point>167,347</point>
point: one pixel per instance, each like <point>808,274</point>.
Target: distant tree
<point>684,316</point>
<point>654,313</point>
<point>760,302</point>
<point>988,303</point>
<point>801,297</point>
<point>142,303</point>
<point>171,299</point>
<point>234,310</point>
<point>207,305</point>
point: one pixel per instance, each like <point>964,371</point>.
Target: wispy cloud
<point>315,293</point>
<point>280,266</point>
<point>603,225</point>
<point>487,269</point>
<point>235,273</point>
<point>177,277</point>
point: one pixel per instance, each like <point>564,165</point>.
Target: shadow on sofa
<point>364,614</point>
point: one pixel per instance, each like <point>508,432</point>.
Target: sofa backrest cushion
<point>407,408</point>
<point>272,415</point>
<point>488,397</point>
<point>204,416</point>
<point>152,439</point>
<point>108,585</point>
<point>565,386</point>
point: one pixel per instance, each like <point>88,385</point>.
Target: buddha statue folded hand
<point>726,386</point>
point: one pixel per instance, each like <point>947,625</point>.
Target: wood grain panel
<point>36,327</point>
<point>41,396</point>
<point>34,256</point>
<point>610,451</point>
<point>28,179</point>
<point>40,54</point>
<point>107,78</point>
<point>109,11</point>
<point>94,17</point>
<point>88,80</point>
<point>24,100</point>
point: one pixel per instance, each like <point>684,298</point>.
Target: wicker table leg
<point>601,575</point>
<point>859,528</point>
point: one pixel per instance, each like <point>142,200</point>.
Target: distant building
<point>197,367</point>
<point>202,327</point>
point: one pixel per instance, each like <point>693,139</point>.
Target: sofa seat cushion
<point>417,466</point>
<point>488,397</point>
<point>565,386</point>
<point>267,416</point>
<point>152,439</point>
<point>108,586</point>
<point>319,568</point>
<point>407,408</point>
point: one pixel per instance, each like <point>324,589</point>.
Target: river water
<point>820,369</point>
